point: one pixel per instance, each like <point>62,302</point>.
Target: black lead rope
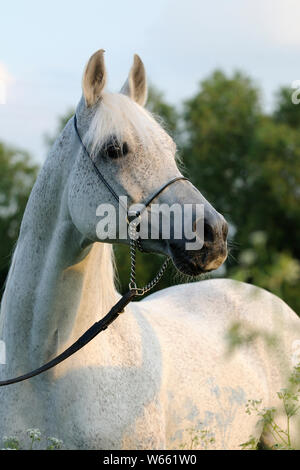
<point>119,307</point>
<point>90,334</point>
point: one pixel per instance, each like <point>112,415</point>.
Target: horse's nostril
<point>208,232</point>
<point>215,229</point>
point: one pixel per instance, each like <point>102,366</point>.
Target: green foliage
<point>276,271</point>
<point>251,444</point>
<point>247,164</point>
<point>267,419</point>
<point>198,439</point>
<point>241,333</point>
<point>220,122</point>
<point>157,105</point>
<point>290,400</point>
<point>17,175</point>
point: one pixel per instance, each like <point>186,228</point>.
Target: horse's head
<point>136,156</point>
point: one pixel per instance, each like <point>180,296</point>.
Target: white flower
<point>258,238</point>
<point>248,257</point>
<point>55,443</point>
<point>34,434</point>
<point>11,442</point>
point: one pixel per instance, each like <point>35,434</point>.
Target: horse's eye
<point>113,151</point>
<point>116,151</point>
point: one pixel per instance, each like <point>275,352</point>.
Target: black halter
<point>119,307</point>
<point>109,187</point>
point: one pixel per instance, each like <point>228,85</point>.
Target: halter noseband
<point>133,291</point>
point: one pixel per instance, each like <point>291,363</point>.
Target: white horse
<point>162,367</point>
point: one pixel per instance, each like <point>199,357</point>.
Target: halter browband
<point>119,307</point>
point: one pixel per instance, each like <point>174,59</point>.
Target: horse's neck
<point>50,295</point>
<point>87,291</point>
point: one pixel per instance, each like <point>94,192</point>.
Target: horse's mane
<point>103,267</point>
<point>117,114</point>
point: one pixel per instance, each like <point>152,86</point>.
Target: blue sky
<point>45,45</point>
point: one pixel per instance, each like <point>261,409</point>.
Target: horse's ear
<point>94,78</point>
<point>136,83</point>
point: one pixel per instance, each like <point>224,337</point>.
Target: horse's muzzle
<point>194,263</point>
<point>212,254</point>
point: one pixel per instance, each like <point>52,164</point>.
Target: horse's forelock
<point>119,116</point>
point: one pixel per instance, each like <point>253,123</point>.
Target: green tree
<point>220,122</point>
<point>164,111</point>
<point>247,163</point>
<point>17,176</point>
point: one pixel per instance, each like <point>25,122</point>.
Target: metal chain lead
<point>133,248</point>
